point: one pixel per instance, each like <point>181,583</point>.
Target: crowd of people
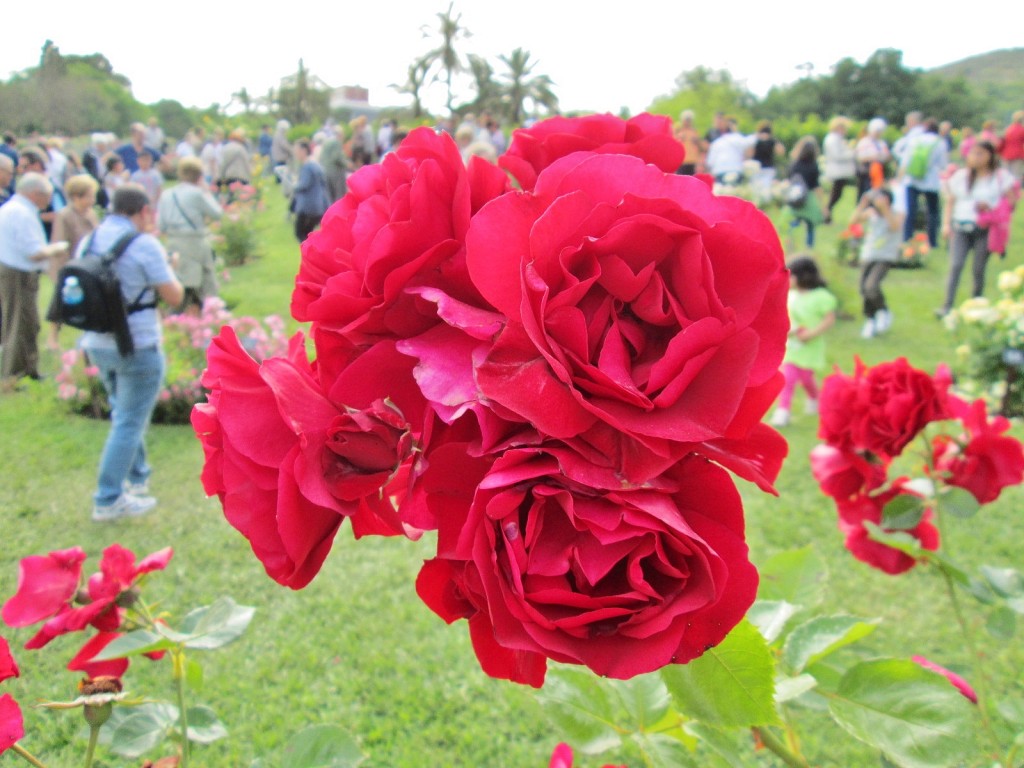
<point>56,204</point>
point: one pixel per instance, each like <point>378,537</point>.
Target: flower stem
<point>26,755</point>
<point>179,680</point>
<point>982,679</point>
<point>90,752</point>
<point>774,744</point>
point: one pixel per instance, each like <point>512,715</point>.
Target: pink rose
<point>646,136</point>
<point>555,557</point>
<point>644,313</point>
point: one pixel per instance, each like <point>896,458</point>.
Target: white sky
<point>601,55</point>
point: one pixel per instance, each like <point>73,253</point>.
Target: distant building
<point>352,100</point>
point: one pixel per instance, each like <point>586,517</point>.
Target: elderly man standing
<point>23,255</point>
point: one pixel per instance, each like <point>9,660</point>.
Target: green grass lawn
<point>357,648</point>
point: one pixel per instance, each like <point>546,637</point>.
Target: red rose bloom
<point>279,454</point>
<point>880,409</point>
<point>855,511</point>
<point>843,474</point>
<point>986,461</point>
<point>557,558</point>
<point>8,667</point>
<point>45,584</point>
<point>402,225</point>
<point>649,137</point>
<point>12,727</point>
<point>641,308</point>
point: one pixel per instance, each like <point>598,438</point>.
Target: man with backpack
<point>921,161</point>
<point>132,378</point>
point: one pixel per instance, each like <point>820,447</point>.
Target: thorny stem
<point>774,744</point>
<point>26,755</point>
<point>982,679</point>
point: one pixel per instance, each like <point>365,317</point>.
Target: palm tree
<point>520,89</point>
<point>488,92</point>
<point>445,55</point>
<point>415,80</point>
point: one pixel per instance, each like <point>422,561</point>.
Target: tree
<point>416,79</point>
<point>707,91</point>
<point>445,56</point>
<point>488,91</point>
<point>299,101</point>
<point>521,88</point>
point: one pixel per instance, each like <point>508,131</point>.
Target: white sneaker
<point>868,331</point>
<point>780,418</point>
<point>811,407</point>
<point>136,489</point>
<point>883,320</point>
<point>125,506</point>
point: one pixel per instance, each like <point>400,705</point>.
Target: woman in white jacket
<point>840,161</point>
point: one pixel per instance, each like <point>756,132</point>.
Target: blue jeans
<point>931,199</point>
<point>133,383</point>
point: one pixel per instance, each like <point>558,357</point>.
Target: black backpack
<point>87,295</point>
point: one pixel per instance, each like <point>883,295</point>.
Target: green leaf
<point>735,746</point>
<point>143,729</point>
<point>1007,582</point>
<point>133,644</point>
<point>911,714</point>
<point>204,727</point>
<point>796,576</point>
<point>644,698</point>
<point>958,502</point>
<point>193,674</point>
<point>980,590</point>
<point>322,746</point>
<point>788,688</point>
<point>664,750</point>
<point>770,617</point>
<point>903,513</point>
<point>1001,623</point>
<point>579,704</point>
<point>1012,710</point>
<point>1016,604</point>
<point>211,626</point>
<point>821,636</point>
<point>730,685</point>
<point>904,542</point>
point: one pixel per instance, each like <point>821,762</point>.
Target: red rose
<point>880,409</point>
<point>649,137</point>
<point>402,224</point>
<point>45,584</point>
<point>855,511</point>
<point>278,454</point>
<point>562,757</point>
<point>958,682</point>
<point>12,727</point>
<point>843,474</point>
<point>642,310</point>
<point>8,667</point>
<point>557,558</point>
<point>986,461</point>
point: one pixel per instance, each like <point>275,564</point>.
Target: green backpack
<point>921,159</point>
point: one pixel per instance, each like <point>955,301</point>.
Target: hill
<point>998,76</point>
